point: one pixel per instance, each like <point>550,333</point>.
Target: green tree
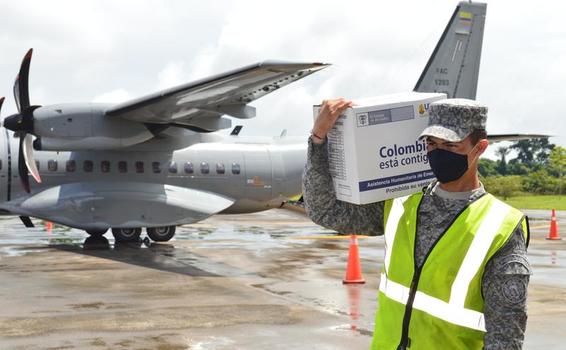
<point>503,186</point>
<point>487,167</point>
<point>557,161</point>
<point>540,182</point>
<point>502,152</point>
<point>533,152</point>
<point>557,168</point>
<point>515,167</point>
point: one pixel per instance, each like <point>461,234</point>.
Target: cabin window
<point>220,169</point>
<point>235,168</point>
<point>204,168</point>
<point>123,166</point>
<point>189,168</point>
<point>173,168</point>
<point>139,167</point>
<point>71,166</point>
<point>88,165</point>
<point>105,166</point>
<point>156,167</point>
<point>52,165</point>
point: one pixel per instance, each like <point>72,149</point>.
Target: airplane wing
<point>200,105</point>
<point>514,137</point>
<point>93,205</point>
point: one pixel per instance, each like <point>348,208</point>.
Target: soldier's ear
<point>481,146</point>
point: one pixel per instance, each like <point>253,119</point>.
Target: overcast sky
<point>112,51</point>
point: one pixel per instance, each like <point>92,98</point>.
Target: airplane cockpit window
<point>235,168</point>
<point>173,168</point>
<point>71,166</point>
<point>204,168</point>
<point>189,168</point>
<point>87,166</point>
<point>139,167</point>
<point>105,166</point>
<point>220,169</point>
<point>52,165</point>
<point>123,166</point>
<point>156,166</point>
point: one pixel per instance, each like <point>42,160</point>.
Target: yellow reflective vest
<point>439,305</point>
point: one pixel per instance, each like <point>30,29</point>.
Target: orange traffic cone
<point>553,234</point>
<point>49,226</point>
<point>354,270</point>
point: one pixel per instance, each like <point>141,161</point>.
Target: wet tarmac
<point>271,280</point>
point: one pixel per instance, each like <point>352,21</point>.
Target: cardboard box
<point>373,150</point>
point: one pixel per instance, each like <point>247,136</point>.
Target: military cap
<point>454,119</point>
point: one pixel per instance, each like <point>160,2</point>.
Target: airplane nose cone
<point>18,122</point>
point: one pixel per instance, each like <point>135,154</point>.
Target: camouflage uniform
<point>506,275</point>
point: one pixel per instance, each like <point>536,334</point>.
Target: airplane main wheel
<point>126,234</point>
<point>161,234</point>
<point>97,232</point>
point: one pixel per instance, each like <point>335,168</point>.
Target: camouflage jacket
<point>506,275</point>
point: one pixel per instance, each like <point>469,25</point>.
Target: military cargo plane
<point>156,162</point>
<point>153,162</point>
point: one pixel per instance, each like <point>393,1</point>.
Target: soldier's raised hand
<point>329,112</point>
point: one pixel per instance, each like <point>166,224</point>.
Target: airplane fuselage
<point>256,173</point>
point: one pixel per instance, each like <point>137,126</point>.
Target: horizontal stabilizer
<point>514,137</point>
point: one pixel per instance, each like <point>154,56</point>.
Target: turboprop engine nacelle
<point>71,127</point>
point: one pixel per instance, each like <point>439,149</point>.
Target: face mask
<point>447,166</point>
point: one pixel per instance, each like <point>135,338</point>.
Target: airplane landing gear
<point>97,232</point>
<point>126,234</point>
<point>161,234</point>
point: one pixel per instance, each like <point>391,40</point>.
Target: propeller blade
<point>21,87</point>
<point>22,169</point>
<point>28,156</point>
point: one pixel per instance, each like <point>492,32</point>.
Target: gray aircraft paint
<point>453,68</point>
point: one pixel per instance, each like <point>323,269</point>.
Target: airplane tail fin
<point>454,65</point>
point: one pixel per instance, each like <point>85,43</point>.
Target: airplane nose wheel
<point>161,234</point>
<point>126,234</point>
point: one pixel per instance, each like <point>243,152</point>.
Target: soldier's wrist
<point>316,138</point>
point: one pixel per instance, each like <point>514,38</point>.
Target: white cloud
<point>171,75</point>
<point>114,96</point>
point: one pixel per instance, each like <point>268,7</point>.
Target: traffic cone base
<point>553,233</point>
<point>353,270</point>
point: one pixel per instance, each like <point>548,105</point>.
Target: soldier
<point>455,272</point>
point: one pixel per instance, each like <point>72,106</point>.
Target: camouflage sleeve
<point>505,283</point>
<point>324,209</point>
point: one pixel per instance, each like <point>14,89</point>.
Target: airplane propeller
<point>22,123</point>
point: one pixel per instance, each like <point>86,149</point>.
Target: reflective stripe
<point>395,213</point>
<point>435,307</point>
<point>477,251</point>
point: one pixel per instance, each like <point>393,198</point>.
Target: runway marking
<point>330,237</point>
